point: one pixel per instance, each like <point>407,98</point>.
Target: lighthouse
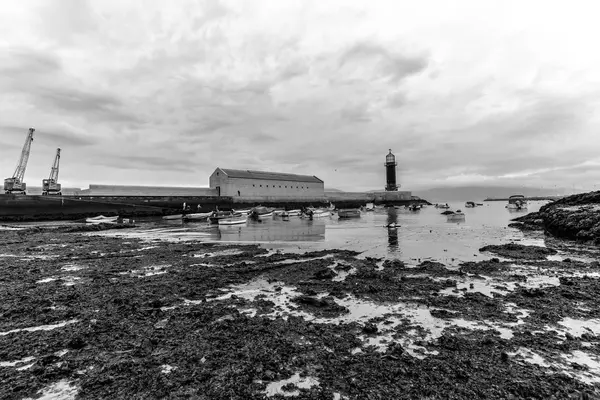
<point>390,172</point>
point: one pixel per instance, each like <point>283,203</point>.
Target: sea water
<point>419,235</point>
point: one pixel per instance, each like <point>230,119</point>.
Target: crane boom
<point>54,171</point>
<point>15,183</point>
<point>22,165</point>
<point>51,186</point>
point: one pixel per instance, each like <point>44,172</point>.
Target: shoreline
<point>110,317</point>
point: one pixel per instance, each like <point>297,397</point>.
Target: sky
<point>157,92</point>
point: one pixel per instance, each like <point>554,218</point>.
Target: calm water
<point>425,234</point>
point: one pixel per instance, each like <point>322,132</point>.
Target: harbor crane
<point>51,186</point>
<point>15,184</point>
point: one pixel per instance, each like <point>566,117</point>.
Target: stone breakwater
<point>575,217</point>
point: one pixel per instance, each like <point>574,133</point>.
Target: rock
<point>504,356</point>
<point>76,343</point>
<point>324,273</point>
<point>370,328</point>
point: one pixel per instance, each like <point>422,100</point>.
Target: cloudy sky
<point>153,92</point>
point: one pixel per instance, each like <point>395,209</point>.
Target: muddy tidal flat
<point>99,317</point>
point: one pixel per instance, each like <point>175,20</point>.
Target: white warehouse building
<point>259,185</point>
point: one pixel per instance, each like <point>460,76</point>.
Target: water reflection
<point>392,228</point>
<point>294,230</point>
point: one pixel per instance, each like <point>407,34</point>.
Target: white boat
<point>444,206</point>
<point>101,219</point>
<point>370,207</point>
<point>456,217</point>
<point>261,217</point>
<point>517,202</point>
<point>293,213</point>
<point>321,213</point>
<point>261,213</point>
<point>171,217</point>
<point>243,212</point>
<point>235,220</point>
<point>197,216</point>
<point>278,212</point>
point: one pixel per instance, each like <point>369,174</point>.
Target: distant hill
<point>333,190</point>
<point>479,193</point>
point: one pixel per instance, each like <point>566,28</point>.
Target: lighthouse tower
<point>390,172</point>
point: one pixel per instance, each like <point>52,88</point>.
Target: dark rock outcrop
<point>574,217</point>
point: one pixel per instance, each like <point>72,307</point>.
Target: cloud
<point>383,62</point>
<point>168,92</point>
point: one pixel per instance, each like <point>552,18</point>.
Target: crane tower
<point>51,185</point>
<point>15,183</point>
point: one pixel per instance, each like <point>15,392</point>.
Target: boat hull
<point>172,217</point>
<point>233,221</point>
<point>348,213</point>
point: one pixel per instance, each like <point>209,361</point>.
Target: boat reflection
<point>392,228</point>
<point>294,230</point>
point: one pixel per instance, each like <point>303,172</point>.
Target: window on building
<point>267,185</point>
<point>279,186</point>
<point>253,185</point>
<point>260,185</point>
<point>286,187</point>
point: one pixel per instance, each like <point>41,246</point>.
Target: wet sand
<point>106,317</point>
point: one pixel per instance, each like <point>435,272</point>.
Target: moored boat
<point>517,202</point>
<point>261,213</point>
<point>218,215</point>
<point>236,219</point>
<point>197,216</point>
<point>293,213</point>
<point>413,207</point>
<point>444,206</point>
<point>458,216</point>
<point>245,211</point>
<point>470,204</point>
<point>101,219</point>
<point>320,213</point>
<point>172,217</point>
<point>349,213</point>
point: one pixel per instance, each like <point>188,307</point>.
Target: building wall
<point>256,189</point>
<point>121,190</point>
<point>368,196</point>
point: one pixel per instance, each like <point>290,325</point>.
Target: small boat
<point>293,213</point>
<point>197,216</point>
<point>101,219</point>
<point>171,217</point>
<point>243,212</point>
<point>413,207</point>
<point>445,206</point>
<point>470,204</point>
<point>236,219</point>
<point>369,207</point>
<point>479,204</point>
<point>277,212</point>
<point>218,215</point>
<point>261,213</point>
<point>321,213</point>
<point>458,216</point>
<point>349,213</point>
<point>517,202</point>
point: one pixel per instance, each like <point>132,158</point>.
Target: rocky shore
<point>575,217</point>
<point>87,316</point>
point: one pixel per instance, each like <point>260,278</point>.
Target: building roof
<point>273,176</point>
